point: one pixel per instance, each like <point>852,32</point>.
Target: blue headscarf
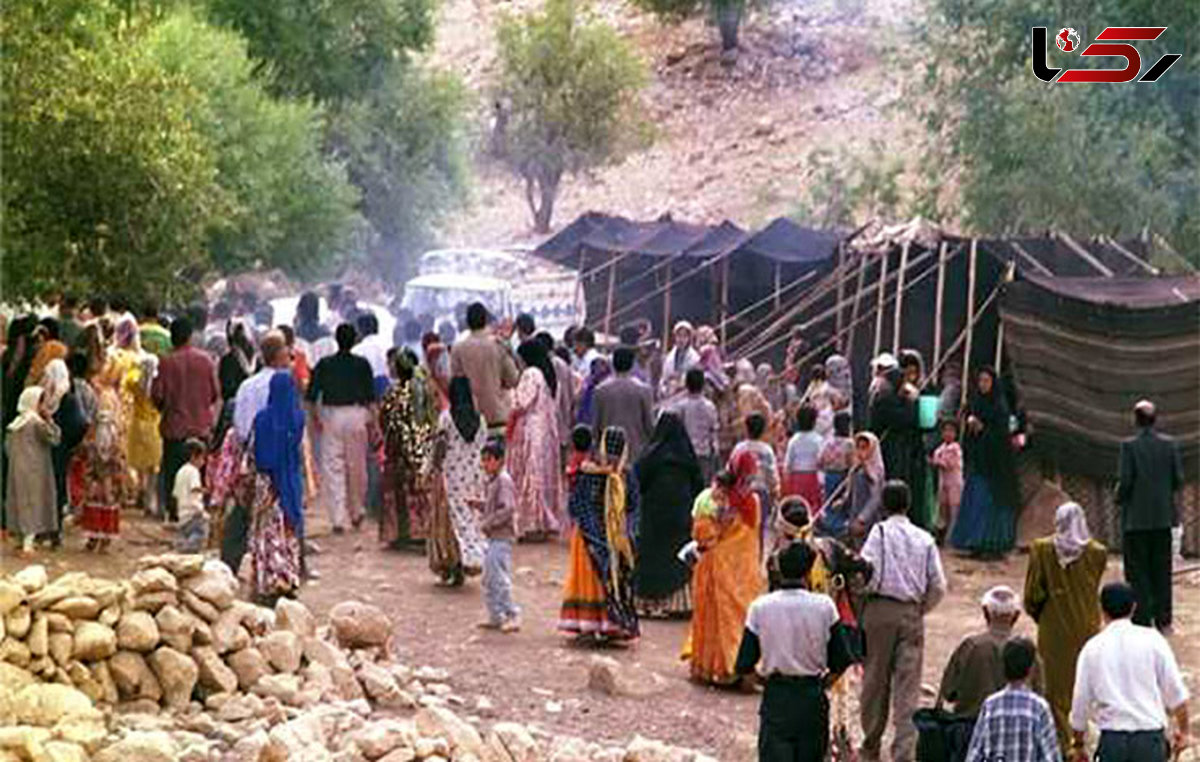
<point>278,430</point>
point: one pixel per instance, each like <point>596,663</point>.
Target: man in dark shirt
<point>1150,474</point>
<point>343,389</point>
<point>187,394</point>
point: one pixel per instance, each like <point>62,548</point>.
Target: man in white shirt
<point>252,395</point>
<point>1126,679</point>
<point>907,584</point>
<point>371,346</point>
<point>793,636</point>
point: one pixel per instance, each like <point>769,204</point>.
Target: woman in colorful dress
<point>598,602</point>
<point>407,443</point>
<point>435,368</point>
<point>105,472</point>
<point>600,371</point>
<point>533,445</point>
<point>277,515</point>
<point>987,515</point>
<point>143,448</point>
<point>849,517</point>
<point>456,546</point>
<point>669,478</point>
<point>728,576</point>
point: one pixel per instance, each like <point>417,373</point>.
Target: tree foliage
<point>107,184</point>
<point>1017,155</point>
<point>290,206</point>
<point>726,14</point>
<point>570,88</point>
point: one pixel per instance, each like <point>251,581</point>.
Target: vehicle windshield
<point>440,302</point>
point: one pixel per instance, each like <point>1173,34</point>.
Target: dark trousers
<point>793,720</point>
<point>174,459</point>
<point>1142,746</point>
<point>1148,571</point>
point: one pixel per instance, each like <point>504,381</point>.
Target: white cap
<point>1145,407</point>
<point>885,361</point>
<point>1001,600</point>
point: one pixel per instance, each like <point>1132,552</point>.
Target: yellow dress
<point>144,444</point>
<point>726,581</point>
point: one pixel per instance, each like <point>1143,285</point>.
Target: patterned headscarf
<point>874,463</point>
<point>744,468</point>
<point>56,381</point>
<point>837,373</point>
<point>613,458</point>
<point>128,334</point>
<point>1071,534</point>
<point>27,407</point>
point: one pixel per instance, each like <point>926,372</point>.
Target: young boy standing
<point>498,526</point>
<point>189,499</point>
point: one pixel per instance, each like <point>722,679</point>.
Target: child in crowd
<point>837,456</point>
<point>498,525</point>
<point>948,460</point>
<point>189,497</point>
<point>801,469</point>
<point>32,495</point>
<point>766,482</point>
<point>581,449</point>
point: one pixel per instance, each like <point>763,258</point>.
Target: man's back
<point>1150,473</point>
<point>1015,725</point>
<point>628,403</point>
<point>186,392</point>
<point>491,371</point>
<point>975,671</point>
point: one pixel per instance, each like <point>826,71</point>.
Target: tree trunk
<point>729,18</point>
<point>541,191</point>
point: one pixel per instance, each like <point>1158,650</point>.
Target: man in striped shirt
<point>1015,725</point>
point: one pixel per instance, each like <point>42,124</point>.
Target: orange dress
<point>726,580</point>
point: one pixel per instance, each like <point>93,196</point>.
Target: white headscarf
<point>874,464</point>
<point>27,408</point>
<point>1071,534</point>
<point>1001,600</point>
<point>56,381</point>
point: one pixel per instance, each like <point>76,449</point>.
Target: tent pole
<point>879,302</point>
<point>724,301</point>
<point>612,286</point>
<point>841,291</point>
<point>858,292</point>
<point>970,329</point>
<point>937,310</point>
<point>1082,253</point>
<point>1009,273</point>
<point>667,310</point>
<point>751,330</point>
<point>899,311</point>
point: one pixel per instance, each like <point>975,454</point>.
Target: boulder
<point>215,584</point>
<point>11,595</point>
<point>299,739</point>
<point>510,742</point>
<point>137,631</point>
<point>88,732</point>
<point>228,634</point>
<point>109,616</point>
<point>402,754</point>
<point>199,606</point>
<point>78,607</point>
<point>39,637</point>
<point>18,621</point>
<point>152,602</point>
<point>179,564</point>
<point>238,708</point>
<point>60,622</point>
<point>20,743</point>
<point>32,578</point>
<point>14,678</point>
<point>175,628</point>
<point>250,748</point>
<point>103,676</point>
<point>213,674</point>
<point>377,739</point>
<point>322,652</point>
<point>176,673</point>
<point>439,722</point>
<point>45,704</point>
<point>607,675</point>
<point>294,616</point>
<point>14,652</point>
<point>346,685</point>
<point>285,688</point>
<point>81,678</point>
<point>61,646</point>
<point>133,677</point>
<point>283,650</point>
<point>359,625</point>
<point>141,746</point>
<point>64,751</point>
<point>153,580</point>
<point>249,665</point>
<point>94,641</point>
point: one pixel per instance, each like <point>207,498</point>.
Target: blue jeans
<point>497,581</point>
<point>193,535</point>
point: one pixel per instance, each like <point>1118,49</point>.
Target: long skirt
<point>274,549</point>
<point>585,603</point>
<point>676,605</point>
<point>406,507</point>
<point>983,527</point>
<point>100,521</point>
<point>806,484</point>
<point>455,546</point>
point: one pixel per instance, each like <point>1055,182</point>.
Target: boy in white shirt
<point>189,497</point>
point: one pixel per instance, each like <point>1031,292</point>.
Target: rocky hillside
<point>732,141</point>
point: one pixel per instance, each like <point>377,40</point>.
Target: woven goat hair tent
<point>1084,350</point>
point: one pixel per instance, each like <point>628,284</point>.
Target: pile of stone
<point>171,665</point>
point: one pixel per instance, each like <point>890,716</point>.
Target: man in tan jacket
<point>487,362</point>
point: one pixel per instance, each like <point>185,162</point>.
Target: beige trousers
<point>895,634</point>
<point>344,463</point>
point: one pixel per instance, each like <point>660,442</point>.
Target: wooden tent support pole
<point>778,286</point>
<point>858,293</point>
<point>939,304</point>
<point>1134,258</point>
<point>667,310</point>
<point>753,330</point>
<point>612,290</point>
<point>1031,260</point>
<point>962,337</point>
<point>841,290</point>
<point>883,274</point>
<point>724,303</point>
<point>972,264</point>
<point>1010,272</point>
<point>899,312</point>
<point>1083,253</point>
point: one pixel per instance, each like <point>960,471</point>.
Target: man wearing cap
<point>794,638</point>
<point>1150,474</point>
<point>1126,681</point>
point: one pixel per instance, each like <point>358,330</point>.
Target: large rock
<point>39,637</point>
<point>176,673</point>
<point>249,665</point>
<point>153,580</point>
<point>62,645</point>
<point>303,739</point>
<point>609,676</point>
<point>381,687</point>
<point>214,675</point>
<point>11,594</point>
<point>283,650</point>
<point>18,621</point>
<point>45,704</point>
<point>94,641</point>
<point>359,625</point>
<point>78,607</point>
<point>103,676</point>
<point>21,743</point>
<point>179,564</point>
<point>215,584</point>
<point>32,578</point>
<point>64,751</point>
<point>175,628</point>
<point>228,634</point>
<point>137,631</point>
<point>199,606</point>
<point>295,617</point>
<point>152,602</point>
<point>141,746</point>
<point>439,722</point>
<point>15,652</point>
<point>133,677</point>
<point>510,742</point>
<point>285,688</point>
<point>379,738</point>
<point>13,678</point>
<point>323,652</point>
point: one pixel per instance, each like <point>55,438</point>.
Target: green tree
<point>290,206</point>
<point>726,14</point>
<point>1017,155</point>
<point>570,87</point>
<point>107,186</point>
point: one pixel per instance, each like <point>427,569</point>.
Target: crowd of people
<point>794,524</point>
